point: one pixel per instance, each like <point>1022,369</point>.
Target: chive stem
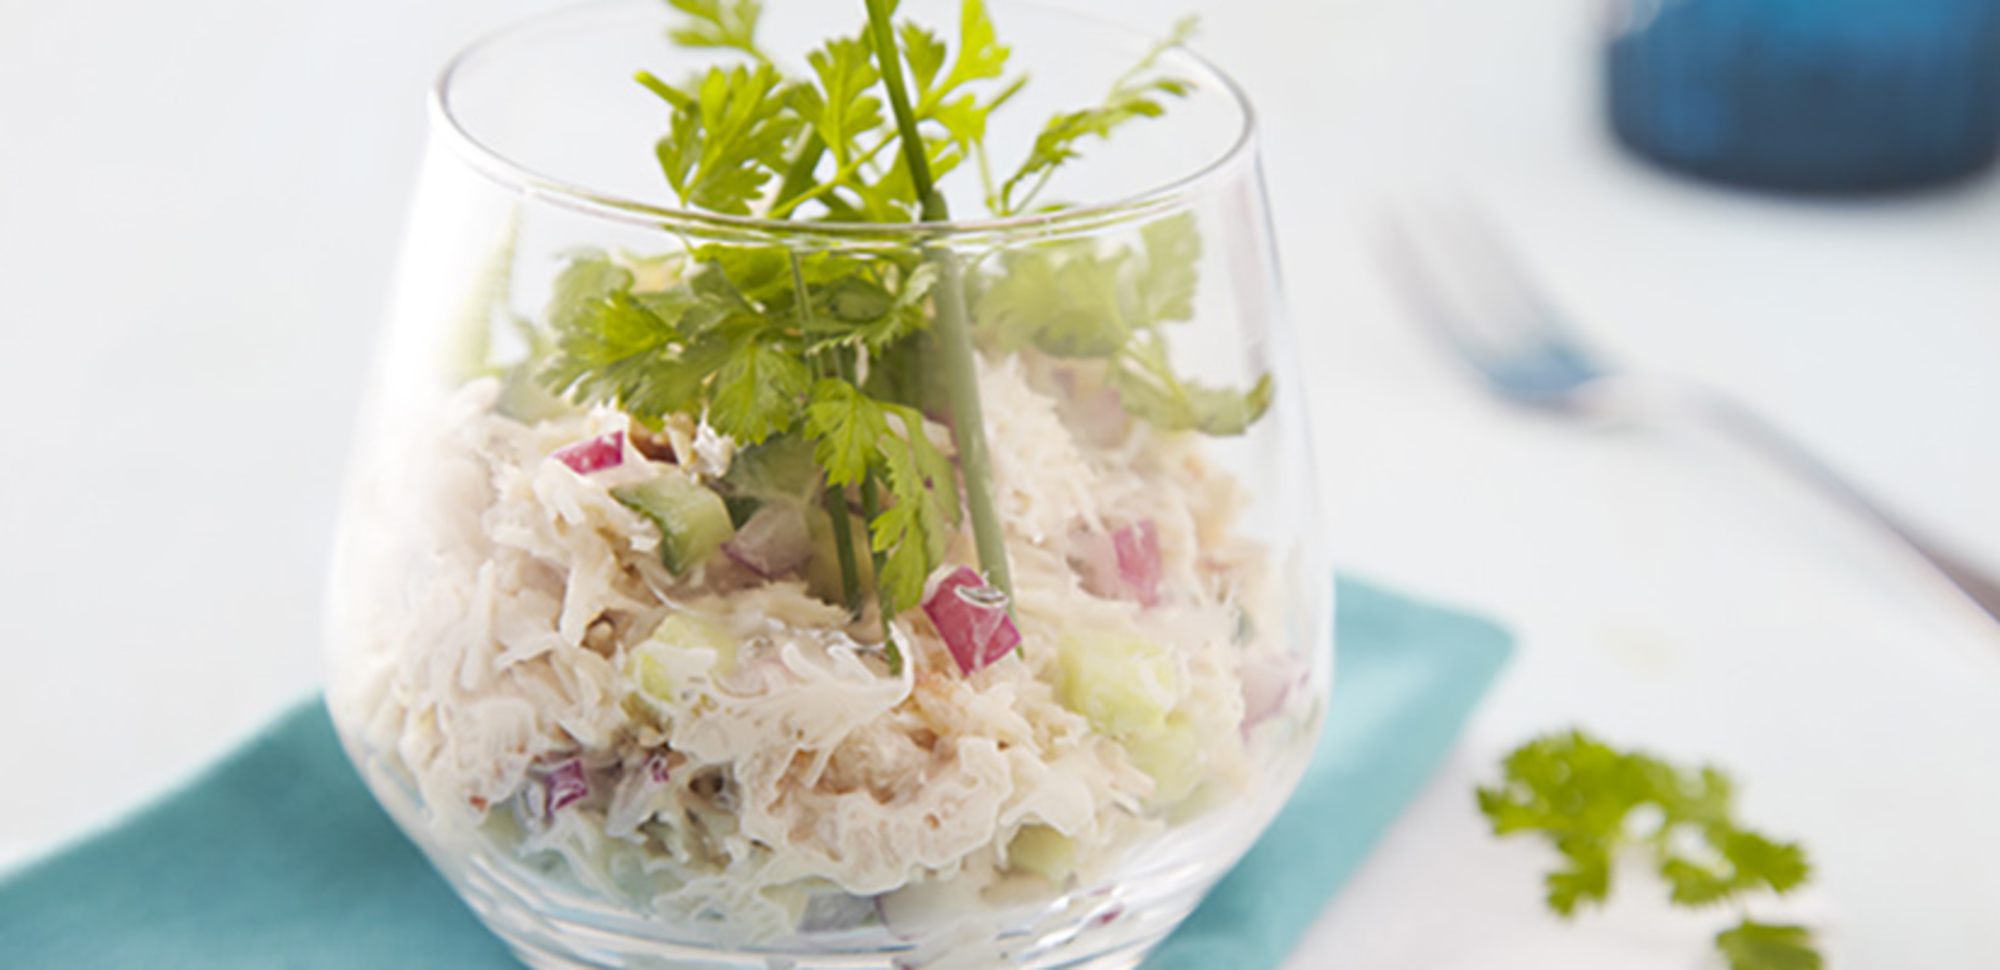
<point>843,543</point>
<point>968,425</point>
<point>869,507</point>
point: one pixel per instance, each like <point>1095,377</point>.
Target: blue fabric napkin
<point>279,858</point>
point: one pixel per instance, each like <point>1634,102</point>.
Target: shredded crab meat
<point>510,630</point>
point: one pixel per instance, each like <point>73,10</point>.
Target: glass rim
<point>1168,195</point>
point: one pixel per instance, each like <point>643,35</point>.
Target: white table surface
<point>199,206</point>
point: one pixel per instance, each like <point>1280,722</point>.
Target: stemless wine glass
<point>651,696</point>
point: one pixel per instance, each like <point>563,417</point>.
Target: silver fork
<point>1469,290</point>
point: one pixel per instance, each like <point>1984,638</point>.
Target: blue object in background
<point>1831,96</point>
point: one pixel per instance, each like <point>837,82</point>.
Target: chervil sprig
<point>1071,300</point>
<point>1593,804</point>
<point>727,24</point>
<point>726,136</point>
<point>1139,93</point>
<point>848,349</point>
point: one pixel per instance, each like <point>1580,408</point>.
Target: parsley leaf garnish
<point>1593,803</point>
<point>852,438</point>
<point>757,391</point>
<point>912,532</point>
<point>1765,946</point>
<point>847,427</point>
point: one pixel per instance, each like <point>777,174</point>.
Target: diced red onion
<point>1101,416</point>
<point>1123,565</point>
<point>1139,560</point>
<point>564,786</point>
<point>1095,560</point>
<point>658,770</point>
<point>1267,682</point>
<point>596,454</point>
<point>773,542</point>
<point>972,618</point>
<point>1096,411</point>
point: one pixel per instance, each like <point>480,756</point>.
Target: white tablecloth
<point>199,206</point>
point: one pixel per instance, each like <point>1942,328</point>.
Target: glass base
<point>551,924</point>
<point>547,935</point>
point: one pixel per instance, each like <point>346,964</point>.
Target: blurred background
<point>199,213</point>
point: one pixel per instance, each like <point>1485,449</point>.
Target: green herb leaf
<point>853,435</point>
<point>727,136</point>
<point>937,471</point>
<point>757,392</point>
<point>585,282</point>
<point>1068,300</point>
<point>1062,299</point>
<point>964,120</point>
<point>654,353</point>
<point>1587,798</point>
<point>1694,884</point>
<point>925,52</point>
<point>1154,393</point>
<point>1778,866</point>
<point>847,429</point>
<point>719,23</point>
<point>861,311</point>
<point>1057,142</point>
<point>1768,946</point>
<point>1587,879</point>
<point>836,349</point>
<point>1132,97</point>
<point>839,107</point>
<point>605,341</point>
<point>912,532</point>
<point>1172,253</point>
<point>981,56</point>
<point>951,102</point>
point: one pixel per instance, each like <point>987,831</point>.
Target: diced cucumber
<point>646,669</point>
<point>1123,685</point>
<point>686,630</point>
<point>1172,757</point>
<point>1131,689</point>
<point>741,508</point>
<point>1043,851</point>
<point>651,664</point>
<point>693,521</point>
<point>781,468</point>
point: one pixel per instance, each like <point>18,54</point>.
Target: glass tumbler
<point>786,590</point>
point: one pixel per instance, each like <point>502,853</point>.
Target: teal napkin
<point>278,857</point>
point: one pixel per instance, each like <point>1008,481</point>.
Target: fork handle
<point>1751,429</point>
